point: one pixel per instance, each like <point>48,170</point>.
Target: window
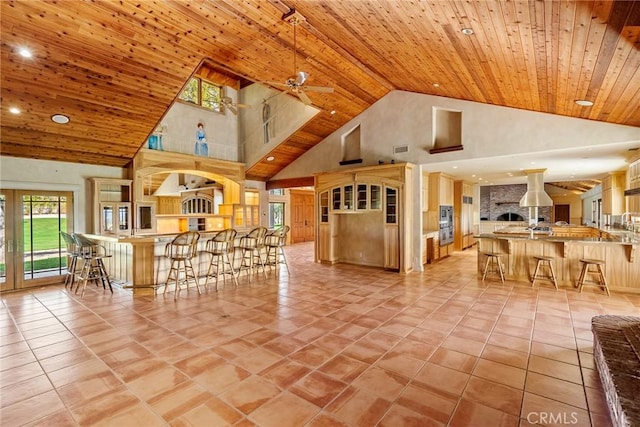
<point>276,214</point>
<point>203,93</point>
<point>277,192</point>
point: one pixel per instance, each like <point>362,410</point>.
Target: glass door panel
<point>32,251</point>
<point>43,250</point>
<point>6,242</point>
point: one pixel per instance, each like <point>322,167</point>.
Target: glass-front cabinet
<point>145,217</point>
<point>358,197</point>
<point>324,207</point>
<point>112,206</point>
<point>375,201</point>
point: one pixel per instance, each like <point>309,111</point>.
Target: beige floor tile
<point>213,412</point>
<point>470,413</point>
<point>556,389</point>
<point>500,373</point>
<point>24,412</point>
<point>358,407</point>
<point>494,395</point>
<point>286,410</point>
<point>340,345</point>
<point>249,394</point>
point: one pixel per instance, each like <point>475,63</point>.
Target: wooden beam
<point>305,181</point>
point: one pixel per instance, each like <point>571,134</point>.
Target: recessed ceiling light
<point>533,163</point>
<point>332,112</point>
<point>270,159</point>
<point>584,103</point>
<point>60,119</point>
<point>25,53</point>
<point>14,110</point>
<point>436,85</point>
<point>455,167</point>
<point>467,31</point>
<point>473,176</point>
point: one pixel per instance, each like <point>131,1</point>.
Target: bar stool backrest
<point>183,246</point>
<point>254,239</point>
<point>85,246</point>
<point>70,243</point>
<point>222,242</point>
<point>277,237</point>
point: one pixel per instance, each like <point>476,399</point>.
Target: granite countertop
<point>544,236</point>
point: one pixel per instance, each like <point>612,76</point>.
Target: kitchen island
<point>566,245</point>
<point>140,263</point>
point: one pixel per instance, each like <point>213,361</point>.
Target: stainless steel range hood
<point>535,195</point>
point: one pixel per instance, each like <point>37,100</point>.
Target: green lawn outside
<point>45,233</point>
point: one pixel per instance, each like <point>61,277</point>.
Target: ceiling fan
<point>296,83</point>
<point>232,106</point>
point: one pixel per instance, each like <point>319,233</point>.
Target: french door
<point>32,252</point>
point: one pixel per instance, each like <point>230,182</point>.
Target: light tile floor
<point>324,346</point>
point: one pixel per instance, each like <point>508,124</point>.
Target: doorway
<point>32,252</point>
<point>302,216</point>
<point>562,213</point>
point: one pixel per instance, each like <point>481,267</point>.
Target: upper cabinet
<point>440,190</point>
<point>111,206</point>
<point>613,193</point>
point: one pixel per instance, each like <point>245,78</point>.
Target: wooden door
<point>562,213</point>
<point>302,216</point>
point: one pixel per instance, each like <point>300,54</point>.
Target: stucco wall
<point>30,174</point>
<point>221,130</point>
<point>286,115</point>
<point>405,118</point>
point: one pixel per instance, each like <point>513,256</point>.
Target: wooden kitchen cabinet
<point>613,202</point>
<point>441,193</point>
<point>111,206</point>
<point>363,214</point>
<point>462,215</point>
<point>425,191</point>
<point>633,202</point>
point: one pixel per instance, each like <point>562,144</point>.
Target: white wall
<point>221,130</point>
<point>406,118</point>
<point>30,174</point>
<point>288,114</point>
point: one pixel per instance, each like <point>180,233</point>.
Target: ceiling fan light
<point>301,77</point>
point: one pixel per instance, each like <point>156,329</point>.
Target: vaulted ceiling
<point>116,67</point>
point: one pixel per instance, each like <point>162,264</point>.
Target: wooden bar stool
<point>181,251</point>
<point>544,261</point>
<point>602,281</point>
<point>492,258</point>
<point>220,247</point>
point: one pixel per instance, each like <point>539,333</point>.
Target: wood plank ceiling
<point>116,67</point>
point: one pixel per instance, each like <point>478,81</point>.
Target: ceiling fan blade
<point>276,84</point>
<point>243,105</point>
<point>325,89</point>
<point>232,109</point>
<point>303,97</point>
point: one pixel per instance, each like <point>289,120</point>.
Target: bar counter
<point>618,249</point>
<point>139,262</point>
